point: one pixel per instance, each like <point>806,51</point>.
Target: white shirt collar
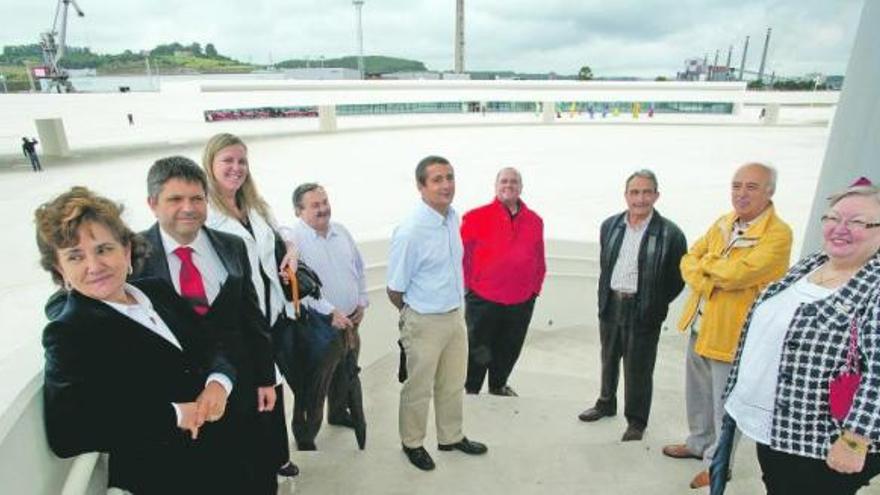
<point>643,225</point>
<point>198,245</point>
<point>431,216</point>
<point>313,233</point>
<point>140,298</point>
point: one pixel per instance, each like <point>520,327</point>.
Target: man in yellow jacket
<point>740,254</point>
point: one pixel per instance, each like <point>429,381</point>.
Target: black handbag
<point>308,282</point>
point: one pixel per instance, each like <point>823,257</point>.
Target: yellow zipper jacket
<point>728,275</point>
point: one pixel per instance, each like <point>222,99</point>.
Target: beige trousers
<point>436,365</point>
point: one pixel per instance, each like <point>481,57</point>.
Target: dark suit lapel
<point>179,325</point>
<point>117,322</point>
<point>157,263</point>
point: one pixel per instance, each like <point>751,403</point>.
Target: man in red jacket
<point>503,273</point>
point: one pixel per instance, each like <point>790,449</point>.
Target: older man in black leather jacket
<point>639,258</point>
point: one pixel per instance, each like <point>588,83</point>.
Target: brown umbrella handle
<point>294,289</point>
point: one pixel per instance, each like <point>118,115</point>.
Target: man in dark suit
<point>211,270</point>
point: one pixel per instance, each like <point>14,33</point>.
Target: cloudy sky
<point>642,38</point>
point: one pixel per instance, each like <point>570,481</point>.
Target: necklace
<point>821,277</point>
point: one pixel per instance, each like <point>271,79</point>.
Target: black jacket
<point>109,385</point>
<point>235,313</point>
<point>660,253</point>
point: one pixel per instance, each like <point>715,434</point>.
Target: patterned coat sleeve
<point>864,416</point>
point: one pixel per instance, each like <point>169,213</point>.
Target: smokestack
<point>459,36</point>
<point>729,55</point>
<point>742,64</point>
<point>714,68</point>
<point>764,56</point>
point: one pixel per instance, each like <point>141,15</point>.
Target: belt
<point>622,296</point>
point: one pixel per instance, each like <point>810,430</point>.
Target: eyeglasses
<point>850,224</point>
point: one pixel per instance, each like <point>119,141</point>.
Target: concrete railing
<point>28,467</point>
<point>176,114</point>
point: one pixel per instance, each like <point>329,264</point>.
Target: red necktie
<point>191,286</point>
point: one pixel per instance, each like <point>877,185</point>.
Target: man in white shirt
<point>329,249</point>
<point>426,283</point>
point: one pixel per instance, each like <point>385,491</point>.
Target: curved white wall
<point>27,466</point>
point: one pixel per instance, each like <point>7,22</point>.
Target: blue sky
<point>640,38</point>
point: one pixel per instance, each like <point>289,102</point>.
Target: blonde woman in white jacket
<point>236,207</point>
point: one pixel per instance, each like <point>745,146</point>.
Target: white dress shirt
<point>210,266</point>
<point>204,257</point>
<point>337,261</point>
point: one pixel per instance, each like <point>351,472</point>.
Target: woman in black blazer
<point>129,371</point>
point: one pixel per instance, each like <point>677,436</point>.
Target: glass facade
<point>470,107</point>
<point>401,108</point>
<point>659,107</point>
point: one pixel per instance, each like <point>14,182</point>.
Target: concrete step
<point>536,443</point>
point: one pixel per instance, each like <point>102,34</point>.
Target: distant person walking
<point>130,118</point>
<point>29,148</point>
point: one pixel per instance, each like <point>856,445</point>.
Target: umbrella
<point>355,398</point>
<point>720,468</point>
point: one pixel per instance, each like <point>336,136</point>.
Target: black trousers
<point>623,337</point>
<point>35,162</point>
<point>496,333</point>
<point>788,474</point>
<point>275,446</point>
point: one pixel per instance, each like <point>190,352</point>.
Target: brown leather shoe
<point>702,479</point>
<point>679,451</point>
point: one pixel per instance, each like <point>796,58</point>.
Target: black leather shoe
<point>467,446</point>
<point>288,470</point>
<point>504,391</point>
<point>593,414</point>
<point>419,458</point>
<point>632,433</point>
<point>344,421</point>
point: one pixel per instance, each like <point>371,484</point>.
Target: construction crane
<point>53,44</point>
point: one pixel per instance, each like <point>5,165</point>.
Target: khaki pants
<point>436,364</point>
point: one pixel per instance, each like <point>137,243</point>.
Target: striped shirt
<point>625,275</point>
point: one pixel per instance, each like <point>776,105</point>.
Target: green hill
<point>172,58</point>
<point>373,64</point>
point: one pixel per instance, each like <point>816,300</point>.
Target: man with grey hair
<point>741,253</point>
<point>503,273</point>
<point>639,255</point>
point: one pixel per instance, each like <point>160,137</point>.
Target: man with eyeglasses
<point>725,270</point>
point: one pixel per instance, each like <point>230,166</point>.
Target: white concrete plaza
<point>573,174</point>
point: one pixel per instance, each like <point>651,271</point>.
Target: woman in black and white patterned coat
<point>797,340</point>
